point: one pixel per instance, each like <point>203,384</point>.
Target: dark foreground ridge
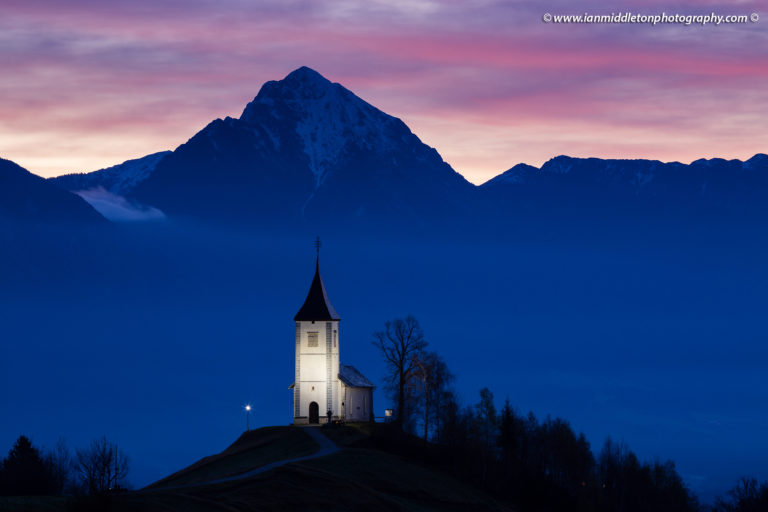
<point>363,475</point>
<point>373,466</point>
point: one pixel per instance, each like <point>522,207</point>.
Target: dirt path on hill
<point>327,447</point>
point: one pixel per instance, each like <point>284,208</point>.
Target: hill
<point>252,450</point>
<point>26,197</point>
<point>361,476</point>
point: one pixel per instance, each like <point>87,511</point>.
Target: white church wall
<point>334,344</point>
<point>313,367</point>
<point>357,404</point>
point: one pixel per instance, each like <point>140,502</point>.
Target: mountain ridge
<point>117,179</point>
<point>645,189</point>
<point>306,149</point>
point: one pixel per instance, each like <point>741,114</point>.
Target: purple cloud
<point>87,84</point>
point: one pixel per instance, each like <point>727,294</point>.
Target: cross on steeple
<point>317,306</point>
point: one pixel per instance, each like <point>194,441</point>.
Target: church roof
<point>353,378</point>
<point>317,306</point>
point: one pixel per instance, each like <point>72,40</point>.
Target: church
<point>323,387</point>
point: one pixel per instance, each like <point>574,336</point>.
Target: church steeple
<point>322,387</point>
<point>317,307</point>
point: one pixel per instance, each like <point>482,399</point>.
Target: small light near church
<point>388,413</point>
<point>248,417</point>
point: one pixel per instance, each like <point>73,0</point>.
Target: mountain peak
<point>308,147</point>
<point>760,159</point>
<point>301,85</point>
<point>518,174</point>
<point>306,75</point>
<point>328,119</point>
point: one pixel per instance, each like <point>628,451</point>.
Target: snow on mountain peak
<point>308,80</point>
<point>327,118</point>
<point>118,179</point>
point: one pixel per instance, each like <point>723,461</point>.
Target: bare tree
<point>745,496</point>
<point>401,340</point>
<point>101,467</point>
<point>59,462</point>
<point>486,416</point>
<point>433,377</point>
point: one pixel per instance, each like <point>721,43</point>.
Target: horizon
<point>90,85</point>
<point>466,177</point>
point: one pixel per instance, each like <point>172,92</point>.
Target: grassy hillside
<point>252,450</point>
<point>358,477</point>
<point>34,504</point>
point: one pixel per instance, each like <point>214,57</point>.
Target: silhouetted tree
<point>400,343</point>
<point>511,438</point>
<point>59,463</point>
<point>448,424</point>
<point>628,485</point>
<point>546,466</point>
<point>101,467</point>
<point>568,461</point>
<point>486,417</point>
<point>485,428</point>
<point>670,491</point>
<point>432,378</point>
<point>613,460</point>
<point>24,472</point>
<point>745,496</point>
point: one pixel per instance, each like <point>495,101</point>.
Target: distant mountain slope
<point>517,175</point>
<point>27,197</point>
<point>709,187</point>
<point>305,148</point>
<point>118,179</point>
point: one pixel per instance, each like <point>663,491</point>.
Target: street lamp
<point>248,417</point>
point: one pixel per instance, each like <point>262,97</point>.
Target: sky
<point>87,84</point>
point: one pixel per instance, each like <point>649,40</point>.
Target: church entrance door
<point>314,412</point>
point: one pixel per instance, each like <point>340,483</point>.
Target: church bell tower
<point>316,388</point>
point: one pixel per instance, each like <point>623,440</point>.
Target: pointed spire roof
<point>317,306</point>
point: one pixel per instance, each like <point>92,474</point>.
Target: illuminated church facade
<point>322,384</point>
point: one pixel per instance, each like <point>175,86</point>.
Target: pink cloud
<point>118,80</point>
